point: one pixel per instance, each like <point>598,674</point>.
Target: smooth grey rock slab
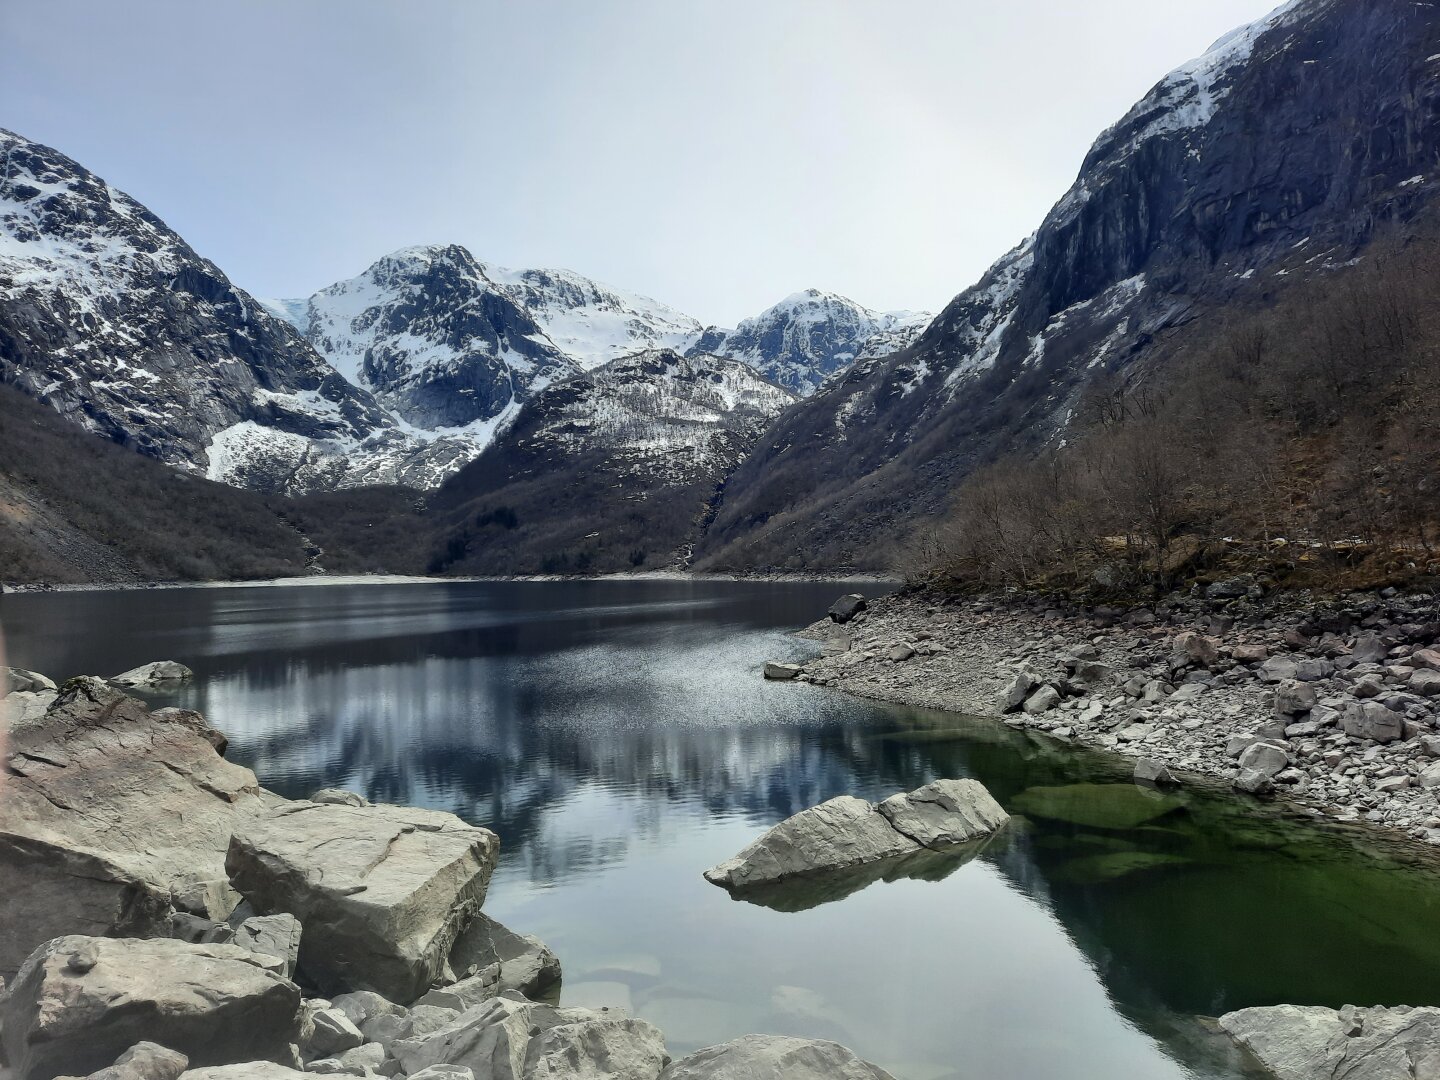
<point>108,807</point>
<point>382,892</point>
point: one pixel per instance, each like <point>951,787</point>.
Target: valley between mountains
<point>439,414</point>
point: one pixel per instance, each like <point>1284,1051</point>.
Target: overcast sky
<point>715,155</point>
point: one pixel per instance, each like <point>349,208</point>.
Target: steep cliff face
<point>616,468</point>
<point>1278,153</point>
<point>112,319</point>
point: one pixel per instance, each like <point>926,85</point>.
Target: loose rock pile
<point>1333,705</point>
<point>163,917</point>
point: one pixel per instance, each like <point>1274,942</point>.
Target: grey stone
<point>774,1057</point>
<point>210,899</point>
<point>1371,720</point>
<point>331,1034</point>
<point>842,832</point>
<point>26,682</point>
<point>273,935</point>
<point>1150,771</point>
<point>847,607</point>
<point>145,1061</point>
<point>491,958</point>
<point>945,813</point>
<point>1369,649</point>
<point>900,653</point>
<point>1016,693</point>
<point>1314,1043</point>
<point>1254,782</point>
<point>1265,758</point>
<point>158,675</point>
<point>213,1003</point>
<point>249,1070</point>
<point>443,1072</point>
<point>381,892</point>
<point>1293,697</point>
<point>782,672</point>
<point>1278,669</point>
<point>1042,700</point>
<point>1426,682</point>
<point>107,807</point>
<point>616,1047</point>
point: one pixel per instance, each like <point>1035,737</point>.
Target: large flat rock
<point>78,1003</point>
<point>107,808</point>
<point>1313,1043</point>
<point>774,1057</point>
<point>382,892</point>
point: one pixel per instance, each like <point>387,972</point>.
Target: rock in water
<point>381,892</point>
<point>773,1057</point>
<point>846,608</point>
<point>782,672</point>
<point>79,1002</point>
<point>160,675</point>
<point>945,813</point>
<point>847,831</point>
<point>1150,771</point>
<point>1313,1043</point>
<point>107,809</point>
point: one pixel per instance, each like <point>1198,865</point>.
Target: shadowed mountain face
<point>1275,156</point>
<point>614,469</point>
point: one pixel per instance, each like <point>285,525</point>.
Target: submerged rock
<point>847,831</point>
<point>382,892</point>
<point>1314,1043</point>
<point>159,675</point>
<point>79,1002</point>
<point>774,1057</point>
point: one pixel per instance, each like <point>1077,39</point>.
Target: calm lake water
<point>619,738</point>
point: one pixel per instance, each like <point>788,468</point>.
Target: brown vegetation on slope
<point>1299,441</point>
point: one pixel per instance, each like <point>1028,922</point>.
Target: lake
<point>617,735</point>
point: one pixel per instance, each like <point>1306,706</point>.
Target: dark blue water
<point>619,738</point>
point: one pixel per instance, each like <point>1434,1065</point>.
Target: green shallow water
<point>619,739</point>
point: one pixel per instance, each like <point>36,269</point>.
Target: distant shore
<point>402,579</point>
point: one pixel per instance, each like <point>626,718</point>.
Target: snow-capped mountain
<point>614,468</point>
<point>807,337</point>
<point>593,323</point>
<point>435,340</point>
<point>1274,155</point>
<point>112,319</point>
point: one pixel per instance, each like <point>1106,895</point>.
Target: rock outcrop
<point>382,892</point>
<point>773,1057</point>
<point>157,675</point>
<point>107,809</point>
<point>847,831</point>
<point>1313,1043</point>
<point>78,1003</point>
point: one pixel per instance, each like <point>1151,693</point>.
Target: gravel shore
<point>1328,703</point>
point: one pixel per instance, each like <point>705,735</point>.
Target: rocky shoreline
<point>164,917</point>
<point>1330,704</point>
